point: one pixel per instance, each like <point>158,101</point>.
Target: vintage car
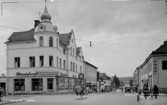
<point>127,88</point>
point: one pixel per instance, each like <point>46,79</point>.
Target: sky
<point>123,32</point>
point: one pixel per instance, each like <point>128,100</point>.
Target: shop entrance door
<point>3,86</point>
<point>50,84</point>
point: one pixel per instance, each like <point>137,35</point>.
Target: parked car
<point>127,88</point>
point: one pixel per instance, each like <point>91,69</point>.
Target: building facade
<point>154,70</point>
<point>91,75</point>
<point>42,60</point>
<point>105,82</point>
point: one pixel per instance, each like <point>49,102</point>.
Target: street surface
<point>110,98</point>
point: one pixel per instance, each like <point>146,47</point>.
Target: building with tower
<point>42,60</point>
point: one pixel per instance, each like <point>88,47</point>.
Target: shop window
<point>50,83</point>
<point>41,41</point>
<point>51,61</point>
<point>32,61</point>
<point>64,65</point>
<point>37,84</point>
<point>50,42</point>
<point>19,84</point>
<point>41,61</point>
<point>62,83</point>
<point>17,62</point>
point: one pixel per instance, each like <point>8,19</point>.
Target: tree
<point>116,81</point>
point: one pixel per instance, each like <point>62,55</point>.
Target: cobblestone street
<point>112,98</point>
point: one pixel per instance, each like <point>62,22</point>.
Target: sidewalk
<point>14,99</point>
<point>161,100</point>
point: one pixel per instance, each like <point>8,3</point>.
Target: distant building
<point>105,82</point>
<point>91,75</point>
<point>124,80</point>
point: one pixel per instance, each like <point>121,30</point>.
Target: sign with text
<point>37,73</point>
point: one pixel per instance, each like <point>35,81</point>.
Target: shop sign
<point>37,73</point>
<point>63,75</point>
<point>26,74</point>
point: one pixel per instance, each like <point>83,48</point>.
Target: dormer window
<point>41,41</point>
<point>50,42</point>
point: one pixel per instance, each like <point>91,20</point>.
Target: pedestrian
<point>155,91</point>
<point>146,91</point>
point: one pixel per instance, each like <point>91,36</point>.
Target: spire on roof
<point>46,15</point>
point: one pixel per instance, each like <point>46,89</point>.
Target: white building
<point>154,69</point>
<point>42,60</point>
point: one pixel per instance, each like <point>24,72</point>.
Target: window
<point>73,51</point>
<point>19,84</point>
<point>60,63</point>
<point>57,42</point>
<point>32,61</point>
<point>64,67</point>
<point>37,84</point>
<point>64,51</point>
<point>17,62</point>
<point>41,41</point>
<point>50,42</point>
<point>76,67</point>
<point>51,61</point>
<point>41,61</point>
<point>57,62</point>
<point>80,69</point>
<point>71,66</point>
<point>50,83</point>
<point>164,65</point>
<point>104,82</point>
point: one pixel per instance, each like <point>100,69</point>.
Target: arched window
<point>50,42</point>
<point>41,41</point>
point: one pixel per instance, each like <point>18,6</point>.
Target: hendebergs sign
<point>36,74</point>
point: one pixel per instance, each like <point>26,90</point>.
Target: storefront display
<point>37,84</point>
<point>19,84</point>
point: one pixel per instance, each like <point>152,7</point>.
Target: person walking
<point>146,91</point>
<point>155,91</point>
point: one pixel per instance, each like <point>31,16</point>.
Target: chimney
<point>36,23</point>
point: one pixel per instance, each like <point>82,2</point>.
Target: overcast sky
<point>123,34</point>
